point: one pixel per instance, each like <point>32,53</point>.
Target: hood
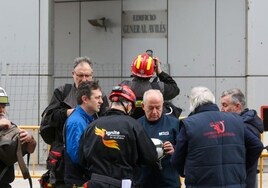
<point>251,117</point>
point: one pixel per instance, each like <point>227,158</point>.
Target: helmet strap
<point>125,108</point>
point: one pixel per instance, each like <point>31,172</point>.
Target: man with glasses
<point>62,104</point>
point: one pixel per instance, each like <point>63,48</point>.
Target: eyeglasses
<point>83,75</point>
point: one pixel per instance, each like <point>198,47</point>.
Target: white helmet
<point>159,147</point>
<point>3,97</point>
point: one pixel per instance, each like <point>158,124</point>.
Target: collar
<point>204,108</point>
<point>114,111</point>
<point>154,122</point>
<point>89,117</point>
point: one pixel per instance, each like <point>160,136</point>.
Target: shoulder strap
<point>155,85</point>
<point>64,131</point>
<point>3,172</point>
<point>22,165</point>
<point>67,89</point>
<point>64,134</point>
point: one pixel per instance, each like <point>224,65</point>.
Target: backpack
<point>12,152</point>
<point>46,130</point>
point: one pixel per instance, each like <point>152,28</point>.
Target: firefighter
<point>143,68</point>
<point>114,144</point>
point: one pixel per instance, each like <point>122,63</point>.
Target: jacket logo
<point>166,133</point>
<point>218,126</point>
<point>107,143</point>
<point>218,132</point>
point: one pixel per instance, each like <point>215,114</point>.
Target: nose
<point>85,78</point>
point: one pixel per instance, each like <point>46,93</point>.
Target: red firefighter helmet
<point>143,66</point>
<point>125,92</point>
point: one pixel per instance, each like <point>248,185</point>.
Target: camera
<point>150,53</point>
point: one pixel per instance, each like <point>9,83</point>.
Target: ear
<point>238,107</point>
<point>129,105</point>
<point>84,98</point>
<point>142,105</point>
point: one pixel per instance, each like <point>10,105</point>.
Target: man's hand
<point>157,62</point>
<point>5,123</point>
<point>69,111</point>
<point>27,140</point>
<point>168,147</point>
<point>25,136</point>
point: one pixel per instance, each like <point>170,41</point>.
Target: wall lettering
<point>138,24</point>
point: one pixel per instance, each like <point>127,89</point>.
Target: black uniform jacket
<point>114,144</point>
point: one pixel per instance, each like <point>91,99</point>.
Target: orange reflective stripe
<point>149,64</point>
<point>138,64</point>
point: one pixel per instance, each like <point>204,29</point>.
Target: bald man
<point>166,128</point>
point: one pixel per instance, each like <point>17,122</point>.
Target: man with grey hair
<point>233,100</point>
<point>62,104</point>
<point>213,148</point>
<point>165,128</point>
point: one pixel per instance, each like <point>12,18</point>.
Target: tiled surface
<point>264,180</point>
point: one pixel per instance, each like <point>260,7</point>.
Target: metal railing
<point>37,173</point>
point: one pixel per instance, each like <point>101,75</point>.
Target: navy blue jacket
<point>165,129</point>
<point>253,123</point>
<point>213,149</point>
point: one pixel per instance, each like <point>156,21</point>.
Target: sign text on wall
<point>137,24</point>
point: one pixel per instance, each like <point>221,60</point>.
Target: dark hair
<point>85,88</point>
<point>79,60</point>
